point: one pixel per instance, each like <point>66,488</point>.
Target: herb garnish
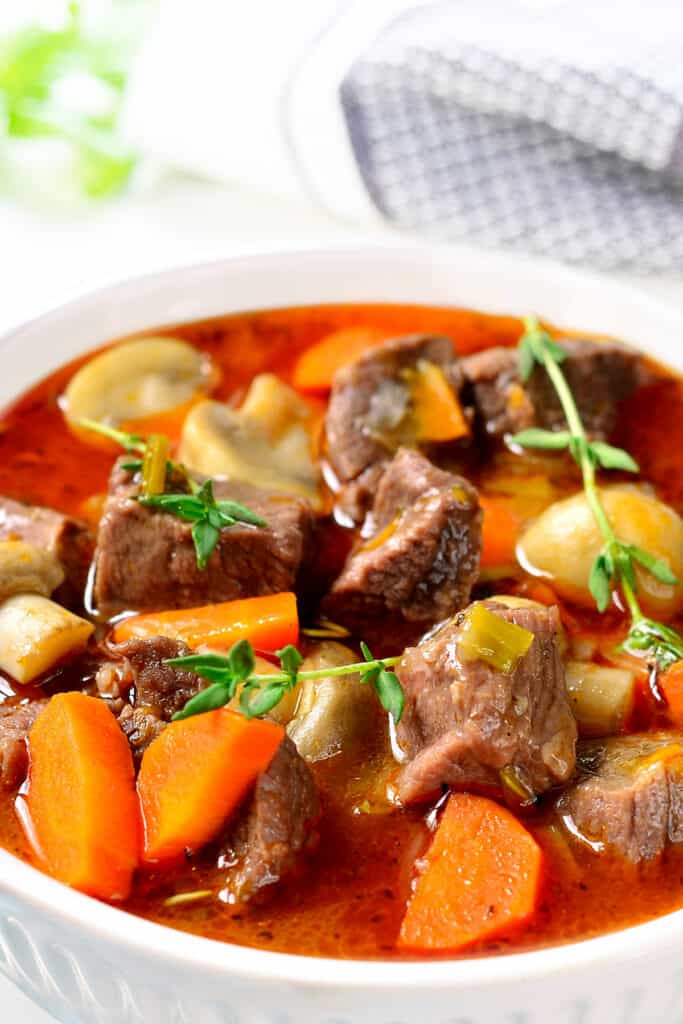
<point>207,515</point>
<point>615,564</point>
<point>199,507</point>
<point>261,693</point>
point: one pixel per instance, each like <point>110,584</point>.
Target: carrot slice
<point>536,590</point>
<point>499,534</point>
<point>81,797</point>
<point>317,366</point>
<point>169,422</point>
<point>671,685</point>
<point>438,414</point>
<point>269,622</point>
<point>482,876</point>
<point>195,773</point>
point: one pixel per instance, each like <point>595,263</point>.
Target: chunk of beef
<point>423,555</point>
<point>146,558</point>
<point>276,827</point>
<point>154,690</point>
<point>600,374</point>
<point>69,540</point>
<point>464,720</point>
<point>501,404</point>
<point>141,726</point>
<point>355,498</point>
<point>370,411</point>
<point>629,796</point>
<point>16,721</point>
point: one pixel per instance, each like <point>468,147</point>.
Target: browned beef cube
<point>369,414</point>
<point>276,827</point>
<point>464,721</point>
<point>145,558</point>
<point>16,721</point>
<point>629,797</point>
<point>69,540</point>
<point>502,405</point>
<point>600,374</point>
<point>149,690</point>
<point>422,558</point>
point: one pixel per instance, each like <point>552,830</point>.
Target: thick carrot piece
<point>671,685</point>
<point>81,797</point>
<point>269,622</point>
<point>195,774</point>
<point>317,366</point>
<point>499,534</point>
<point>437,411</point>
<point>482,876</point>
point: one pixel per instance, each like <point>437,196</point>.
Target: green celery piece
<point>485,636</point>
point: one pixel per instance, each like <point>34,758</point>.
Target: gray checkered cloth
<point>554,129</point>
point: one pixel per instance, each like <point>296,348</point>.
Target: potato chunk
<point>282,712</point>
<point>266,442</point>
<point>36,633</point>
<point>601,697</point>
<point>564,541</point>
<point>27,569</point>
<point>334,711</point>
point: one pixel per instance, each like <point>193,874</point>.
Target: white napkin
<point>551,126</point>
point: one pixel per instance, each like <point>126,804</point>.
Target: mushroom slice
<point>333,712</point>
<point>27,569</point>
<point>136,379</point>
<point>266,442</point>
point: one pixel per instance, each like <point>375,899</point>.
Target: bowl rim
<point>61,905</point>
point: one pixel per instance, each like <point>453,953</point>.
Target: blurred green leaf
<point>36,66</point>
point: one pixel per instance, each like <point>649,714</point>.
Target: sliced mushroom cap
<point>136,379</point>
<point>27,569</point>
<point>563,543</point>
<point>333,712</point>
<point>266,442</point>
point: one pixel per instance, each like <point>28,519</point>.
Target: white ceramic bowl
<point>87,962</point>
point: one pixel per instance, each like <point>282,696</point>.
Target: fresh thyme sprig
<point>200,507</point>
<point>615,563</point>
<point>261,693</point>
<point>208,516</point>
<point>129,442</point>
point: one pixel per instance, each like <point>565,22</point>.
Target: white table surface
<point>48,256</point>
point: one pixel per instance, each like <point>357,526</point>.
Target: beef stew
<point>277,636</point>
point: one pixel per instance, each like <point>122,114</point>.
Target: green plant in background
<point>67,83</point>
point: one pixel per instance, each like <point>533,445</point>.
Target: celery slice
<point>154,464</point>
<point>485,636</point>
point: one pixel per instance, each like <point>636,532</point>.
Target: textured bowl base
<point>79,987</point>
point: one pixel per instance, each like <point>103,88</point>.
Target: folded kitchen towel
<point>546,126</point>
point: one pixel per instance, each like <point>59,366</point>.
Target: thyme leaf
<point>208,516</point>
<point>615,564</point>
<point>261,693</point>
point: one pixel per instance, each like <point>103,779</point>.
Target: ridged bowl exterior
<point>80,979</point>
<point>88,963</point>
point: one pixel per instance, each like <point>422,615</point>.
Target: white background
<point>46,258</point>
